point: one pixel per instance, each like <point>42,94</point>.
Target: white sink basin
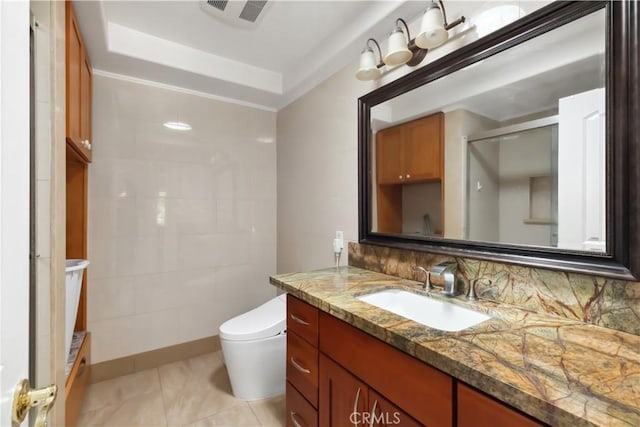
<point>423,309</point>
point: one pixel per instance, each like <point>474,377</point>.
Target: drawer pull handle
<point>355,405</point>
<point>298,367</point>
<point>81,366</point>
<point>294,419</point>
<point>373,413</point>
<point>299,320</point>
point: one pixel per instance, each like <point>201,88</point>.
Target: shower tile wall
<point>182,225</point>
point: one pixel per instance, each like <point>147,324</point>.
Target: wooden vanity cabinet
<point>78,86</point>
<point>302,363</point>
<point>411,152</point>
<point>418,390</point>
<point>350,372</point>
<point>476,409</point>
<point>346,400</point>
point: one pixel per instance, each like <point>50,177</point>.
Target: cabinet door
<point>389,149</point>
<point>475,409</point>
<point>85,106</point>
<point>299,412</point>
<point>73,65</point>
<point>302,367</point>
<point>343,398</point>
<point>423,148</point>
<point>385,414</point>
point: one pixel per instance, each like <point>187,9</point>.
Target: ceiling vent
<point>243,14</point>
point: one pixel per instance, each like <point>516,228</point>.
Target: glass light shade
<point>368,68</point>
<point>398,52</point>
<point>432,31</point>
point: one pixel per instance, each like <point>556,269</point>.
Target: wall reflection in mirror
<point>510,149</point>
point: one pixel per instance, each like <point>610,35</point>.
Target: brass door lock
<point>26,398</point>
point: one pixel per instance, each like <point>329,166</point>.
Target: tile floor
<point>193,392</point>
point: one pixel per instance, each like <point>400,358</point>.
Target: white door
<point>581,172</point>
<point>14,201</point>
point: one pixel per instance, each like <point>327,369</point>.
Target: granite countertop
<point>560,371</point>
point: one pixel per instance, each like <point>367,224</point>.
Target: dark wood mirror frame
<point>622,260</point>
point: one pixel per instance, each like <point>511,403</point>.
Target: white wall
<point>318,173</point>
<point>182,226</point>
<point>418,200</point>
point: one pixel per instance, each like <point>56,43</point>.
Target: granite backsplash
<point>610,303</point>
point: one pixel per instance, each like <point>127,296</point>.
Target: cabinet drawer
<point>302,367</point>
<point>299,412</point>
<point>475,409</point>
<point>302,319</point>
<point>77,383</point>
<point>423,392</point>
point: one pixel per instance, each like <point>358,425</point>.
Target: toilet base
<point>256,368</point>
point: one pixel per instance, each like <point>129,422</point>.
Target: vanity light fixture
<point>402,48</point>
<point>434,28</point>
<point>177,125</point>
<point>369,67</point>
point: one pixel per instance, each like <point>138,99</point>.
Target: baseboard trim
<point>152,359</point>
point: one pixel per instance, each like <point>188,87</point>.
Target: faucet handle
<point>471,293</point>
<point>427,273</point>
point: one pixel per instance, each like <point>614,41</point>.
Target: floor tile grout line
<point>164,403</point>
<point>255,414</point>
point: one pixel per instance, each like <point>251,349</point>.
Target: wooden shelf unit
<point>78,157</point>
<point>408,153</point>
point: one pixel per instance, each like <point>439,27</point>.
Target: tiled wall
<point>182,225</point>
<point>43,186</point>
<point>610,303</point>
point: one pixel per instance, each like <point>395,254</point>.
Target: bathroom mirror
<point>512,147</point>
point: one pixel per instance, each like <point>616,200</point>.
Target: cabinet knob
<point>400,176</point>
<point>408,176</point>
<point>88,145</point>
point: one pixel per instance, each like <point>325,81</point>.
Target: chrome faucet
<point>444,274</point>
<point>427,282</point>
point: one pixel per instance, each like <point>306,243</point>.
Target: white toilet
<point>254,347</point>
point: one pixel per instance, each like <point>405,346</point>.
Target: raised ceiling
<point>293,46</point>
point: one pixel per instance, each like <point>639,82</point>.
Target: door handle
<point>25,398</point>
<point>298,366</point>
<point>299,320</point>
<point>294,419</point>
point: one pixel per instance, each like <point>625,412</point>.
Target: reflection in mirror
<point>510,149</point>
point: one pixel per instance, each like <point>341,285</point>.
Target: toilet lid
<point>264,321</point>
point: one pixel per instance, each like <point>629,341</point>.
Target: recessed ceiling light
<point>177,125</point>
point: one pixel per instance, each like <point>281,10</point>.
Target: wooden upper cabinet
<point>74,49</point>
<point>423,143</point>
<point>411,152</point>
<point>389,152</point>
<point>79,83</point>
<point>85,105</point>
